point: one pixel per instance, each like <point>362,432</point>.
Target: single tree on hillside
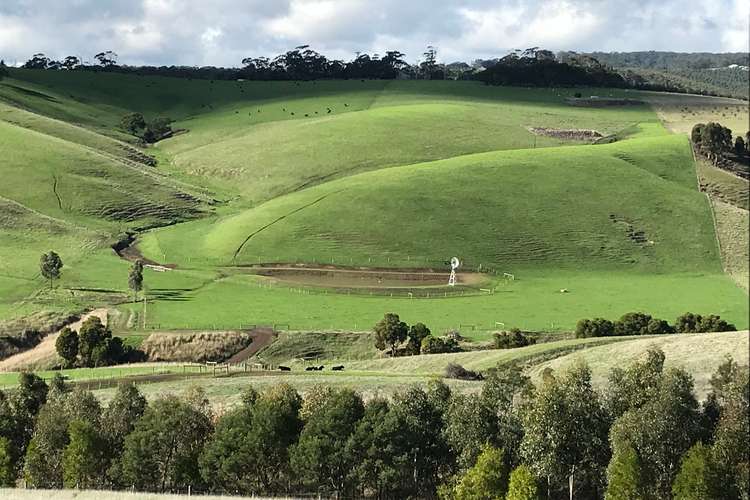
<point>740,146</point>
<point>71,63</point>
<point>390,331</point>
<point>135,278</point>
<point>50,265</point>
<point>133,123</point>
<point>67,346</point>
<point>3,69</point>
<point>417,332</point>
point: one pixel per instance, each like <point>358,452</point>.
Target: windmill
<point>454,265</point>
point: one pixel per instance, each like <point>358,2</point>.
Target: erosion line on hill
<point>54,190</point>
<point>318,200</point>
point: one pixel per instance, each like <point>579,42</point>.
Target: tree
<point>624,476</point>
<point>91,337</point>
<point>118,420</point>
<point>633,323</point>
<point>7,466</point>
<point>660,431</point>
<point>25,404</point>
<point>565,431</point>
<point>320,458</point>
<point>487,479</point>
<point>50,265</point>
<point>135,278</point>
<point>43,462</point>
<point>514,338</point>
<point>3,69</point>
<point>37,61</point>
<point>67,346</point>
<point>697,479</point>
<point>417,332</point>
<point>106,59</point>
<point>390,331</point>
<point>696,323</point>
<point>84,458</point>
<point>715,139</point>
<point>161,454</point>
<point>71,62</point>
<point>522,485</point>
<point>631,388</point>
<point>597,327</point>
<point>133,123</point>
<point>696,133</point>
<point>739,146</point>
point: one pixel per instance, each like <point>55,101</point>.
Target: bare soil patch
<point>362,277</point>
<point>573,134</point>
<point>602,102</point>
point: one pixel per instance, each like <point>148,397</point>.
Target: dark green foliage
<point>161,453</point>
<point>43,461</point>
<point>157,129</point>
<point>565,432</point>
<point>3,69</point>
<point>487,479</point>
<point>715,140</point>
<point>97,347</point>
<point>634,323</point>
<point>50,265</point>
<point>522,485</point>
<point>84,460</point>
<point>118,420</point>
<point>417,332</point>
<point>255,437</point>
<point>695,323</point>
<point>511,339</point>
<point>25,404</point>
<point>739,146</point>
<point>67,346</point>
<point>597,327</point>
<point>7,467</point>
<point>660,431</point>
<point>437,345</point>
<point>390,332</point>
<point>133,123</point>
<point>320,459</point>
<point>657,326</point>
<point>365,448</point>
<point>624,476</point>
<point>135,278</point>
<point>696,133</point>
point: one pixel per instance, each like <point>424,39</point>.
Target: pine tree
<point>135,278</point>
<point>697,477</point>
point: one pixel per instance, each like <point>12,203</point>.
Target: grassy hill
<point>398,174</point>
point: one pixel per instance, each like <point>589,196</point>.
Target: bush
<point>454,370</point>
<point>633,323</point>
<point>597,327</point>
<point>511,339</point>
<point>522,485</point>
<point>695,323</point>
<point>437,345</point>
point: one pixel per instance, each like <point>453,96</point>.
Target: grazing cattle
<point>329,110</point>
<point>310,368</point>
<point>292,113</point>
<point>307,114</point>
<point>338,368</point>
<point>284,369</point>
<point>346,105</point>
<point>320,368</point>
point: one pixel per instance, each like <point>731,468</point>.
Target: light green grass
<point>10,379</point>
<point>732,228</point>
<point>699,354</point>
<point>532,302</point>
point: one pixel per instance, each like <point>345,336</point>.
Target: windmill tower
<point>454,265</point>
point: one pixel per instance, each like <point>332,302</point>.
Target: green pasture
<point>398,174</point>
<point>533,302</point>
<point>10,379</point>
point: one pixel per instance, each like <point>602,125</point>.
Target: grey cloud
<point>221,32</point>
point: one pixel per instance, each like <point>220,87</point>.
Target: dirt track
<point>262,337</point>
<point>361,277</point>
<point>45,351</point>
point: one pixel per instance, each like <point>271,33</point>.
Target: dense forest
<point>645,436</point>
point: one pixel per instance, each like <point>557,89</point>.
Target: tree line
<point>638,323</point>
<point>645,436</point>
<point>529,67</point>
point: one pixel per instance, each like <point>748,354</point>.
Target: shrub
<point>454,370</point>
<point>511,339</point>
<point>522,485</point>
<point>488,479</point>
<point>633,323</point>
<point>437,345</point>
<point>597,327</point>
<point>695,323</point>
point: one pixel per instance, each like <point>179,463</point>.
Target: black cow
<point>285,369</point>
<point>338,368</point>
<point>310,369</point>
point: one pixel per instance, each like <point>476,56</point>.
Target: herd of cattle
<point>336,368</point>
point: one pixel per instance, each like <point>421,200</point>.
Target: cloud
<point>222,32</point>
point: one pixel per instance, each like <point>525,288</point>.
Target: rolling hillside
<point>396,175</point>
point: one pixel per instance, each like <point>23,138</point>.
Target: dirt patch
<point>199,347</point>
<point>44,355</point>
<point>602,102</point>
<point>361,277</point>
<point>573,134</point>
<point>262,337</point>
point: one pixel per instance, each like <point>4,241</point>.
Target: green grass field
<point>398,174</point>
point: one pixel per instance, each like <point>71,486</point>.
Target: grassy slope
<point>699,354</point>
<point>732,225</point>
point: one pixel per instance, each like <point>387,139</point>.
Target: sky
<point>223,32</point>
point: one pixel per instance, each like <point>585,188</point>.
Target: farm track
<point>262,337</point>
